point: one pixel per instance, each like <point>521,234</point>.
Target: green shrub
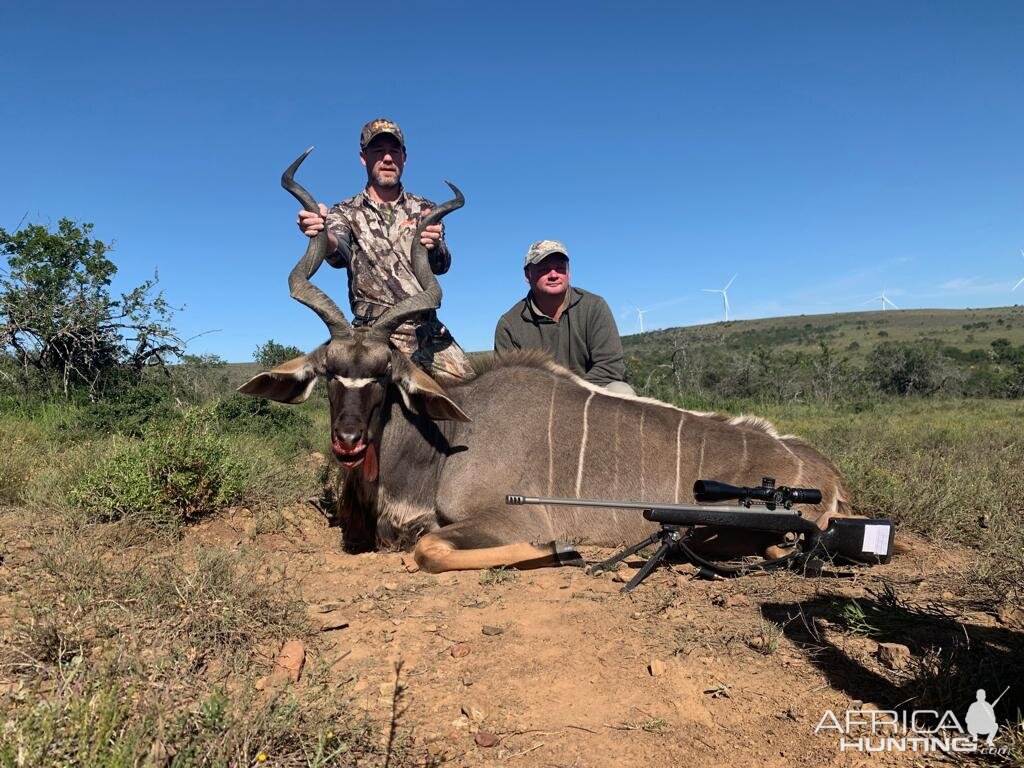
<point>131,410</point>
<point>242,413</point>
<point>272,354</point>
<point>177,472</point>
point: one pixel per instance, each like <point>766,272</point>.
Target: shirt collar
<point>399,201</point>
<point>566,302</point>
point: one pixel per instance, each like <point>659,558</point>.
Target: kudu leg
<point>466,546</point>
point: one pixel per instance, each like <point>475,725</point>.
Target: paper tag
<point>876,539</point>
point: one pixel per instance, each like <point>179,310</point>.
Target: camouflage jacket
<point>374,245</point>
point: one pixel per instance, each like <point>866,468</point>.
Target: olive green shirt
<point>584,339</point>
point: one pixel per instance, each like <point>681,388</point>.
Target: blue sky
<point>822,151</point>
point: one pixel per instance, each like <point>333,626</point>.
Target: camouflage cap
<point>378,126</point>
<point>542,249</point>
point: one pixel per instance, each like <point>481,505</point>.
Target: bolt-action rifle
<point>846,539</point>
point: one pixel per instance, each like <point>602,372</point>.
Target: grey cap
<point>542,249</point>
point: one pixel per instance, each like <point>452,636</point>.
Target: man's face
<point>384,159</point>
<point>550,277</point>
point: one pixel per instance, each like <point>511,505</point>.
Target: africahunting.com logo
<point>918,730</point>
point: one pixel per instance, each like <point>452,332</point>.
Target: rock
<point>485,739</point>
<point>287,666</point>
<point>491,631</point>
<point>621,577</point>
<point>474,711</point>
<point>460,650</point>
<point>409,563</point>
<point>893,655</point>
<point>947,595</point>
<point>390,586</point>
<point>656,668</point>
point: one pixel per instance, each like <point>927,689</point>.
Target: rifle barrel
<point>515,499</point>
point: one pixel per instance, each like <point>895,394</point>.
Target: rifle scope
<point>767,493</point>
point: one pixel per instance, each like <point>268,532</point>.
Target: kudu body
<point>418,469</point>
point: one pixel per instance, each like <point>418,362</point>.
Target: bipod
<point>668,536</point>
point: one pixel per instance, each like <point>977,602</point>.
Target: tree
<point>918,368</point>
<point>272,354</point>
<point>59,322</point>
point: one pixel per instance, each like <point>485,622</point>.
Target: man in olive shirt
<point>572,325</point>
<point>370,235</point>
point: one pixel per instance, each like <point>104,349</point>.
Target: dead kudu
<point>417,468</point>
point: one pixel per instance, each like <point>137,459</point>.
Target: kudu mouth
<point>349,455</point>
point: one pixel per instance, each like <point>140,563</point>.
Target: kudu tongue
<point>370,463</point>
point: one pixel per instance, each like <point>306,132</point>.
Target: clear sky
<point>823,151</point>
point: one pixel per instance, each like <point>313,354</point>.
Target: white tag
<point>876,539</point>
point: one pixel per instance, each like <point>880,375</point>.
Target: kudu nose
<point>350,438</point>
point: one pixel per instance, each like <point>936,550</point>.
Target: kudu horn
<point>299,286</point>
<point>430,297</point>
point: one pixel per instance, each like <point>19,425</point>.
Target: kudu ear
<point>289,382</point>
<point>421,393</point>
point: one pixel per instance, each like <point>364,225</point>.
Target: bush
<point>242,413</point>
<point>176,473</point>
<point>272,354</point>
<point>131,410</point>
<point>912,369</point>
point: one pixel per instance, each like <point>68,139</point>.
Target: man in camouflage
<point>371,235</point>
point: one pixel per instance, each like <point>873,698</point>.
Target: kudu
<point>417,468</point>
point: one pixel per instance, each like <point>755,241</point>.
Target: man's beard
<point>380,181</point>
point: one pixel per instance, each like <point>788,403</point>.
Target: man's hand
<point>312,224</point>
<point>431,234</point>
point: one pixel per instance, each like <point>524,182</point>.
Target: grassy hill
<point>856,333</point>
<point>948,351</point>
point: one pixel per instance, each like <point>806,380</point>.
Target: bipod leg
<point>668,535</point>
<point>620,556</point>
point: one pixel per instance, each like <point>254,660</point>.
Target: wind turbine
<point>640,315</point>
<point>725,295</point>
<point>884,299</point>
<point>1022,279</point>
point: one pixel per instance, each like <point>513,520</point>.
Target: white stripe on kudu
<point>353,383</point>
<point>643,455</point>
<point>679,450</point>
<point>583,445</point>
<point>551,445</point>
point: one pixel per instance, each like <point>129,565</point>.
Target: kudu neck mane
<point>542,361</point>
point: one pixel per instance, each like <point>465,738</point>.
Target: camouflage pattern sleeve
<point>339,226</point>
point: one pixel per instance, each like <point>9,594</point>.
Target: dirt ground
<point>557,668</point>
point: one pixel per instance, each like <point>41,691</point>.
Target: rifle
<point>854,540</point>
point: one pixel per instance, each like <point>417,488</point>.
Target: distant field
<point>854,332</point>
